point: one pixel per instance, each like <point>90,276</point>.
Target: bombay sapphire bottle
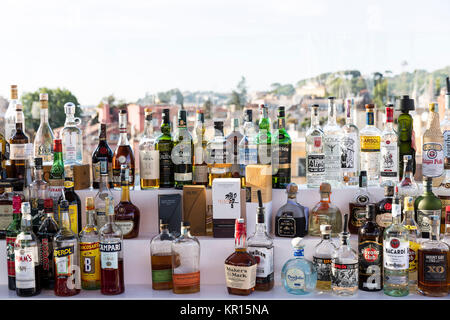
<point>299,275</point>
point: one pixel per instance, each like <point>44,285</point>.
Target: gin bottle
<point>325,212</point>
<point>350,148</point>
<point>370,137</point>
<point>148,155</point>
<point>248,149</point>
<point>292,218</point>
<point>72,138</point>
<point>332,137</point>
<point>433,145</point>
<point>322,259</point>
<point>43,141</point>
<point>315,157</point>
<point>389,151</point>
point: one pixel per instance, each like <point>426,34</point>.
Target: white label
<point>240,277</point>
<point>432,159</point>
<point>199,154</point>
<point>149,164</point>
<point>447,143</point>
<point>18,151</point>
<point>70,146</point>
<point>125,226</point>
<point>183,176</point>
<point>201,174</point>
<point>396,254</point>
<point>332,151</point>
<point>348,149</point>
<point>389,159</point>
<point>264,256</point>
<point>295,279</point>
<point>226,198</point>
<point>25,259</point>
<point>423,219</point>
<point>109,254</point>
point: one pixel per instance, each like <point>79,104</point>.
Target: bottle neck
<point>299,252</point>
<point>326,236</point>
<point>370,118</point>
<point>65,220</point>
<point>57,158</point>
<point>38,174</point>
<point>396,213</point>
<point>26,225</point>
<point>125,197</point>
<point>123,137</point>
<point>281,123</point>
<point>314,118</point>
<point>90,218</point>
<point>434,234</point>
<point>331,112</point>
<point>324,197</point>
<point>349,115</point>
<point>70,120</point>
<point>407,171</point>
<point>19,121</point>
<point>148,129</point>
<point>44,116</point>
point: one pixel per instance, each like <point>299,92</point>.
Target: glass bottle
<point>10,115</point>
<point>325,212</point>
<point>102,194</point>
<point>38,193</point>
<point>12,231</point>
<point>281,153</point>
<point>186,262</point>
<point>384,212</point>
<point>56,177</point>
<point>248,149</point>
<point>433,266</point>
<point>405,133</point>
<point>111,254</point>
<point>299,276</point>
<point>26,257</point>
<point>291,219</point>
<point>446,238</point>
<point>148,155</point>
<point>218,155</point>
<point>315,157</point>
<point>18,146</point>
<point>370,139</point>
<point>408,187</point>
<point>43,141</point>
<point>182,152</point>
<point>264,137</point>
<point>389,151</point>
<point>332,137</point>
<point>164,145</point>
<point>234,138</point>
<point>240,266</point>
<point>413,238</point>
<point>124,153</point>
<point>357,207</point>
<point>426,206</point>
<point>102,152</point>
<point>444,190</point>
<point>200,169</point>
<point>322,259</point>
<point>344,266</point>
<point>6,210</point>
<point>90,250</point>
<point>350,148</point>
<point>161,258</point>
<point>72,138</point>
<point>433,145</point>
<point>73,199</point>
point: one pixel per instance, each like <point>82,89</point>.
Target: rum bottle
<point>183,152</point>
<point>164,145</point>
<point>325,212</point>
<point>43,141</point>
<point>322,259</point>
<point>350,148</point>
<point>161,258</point>
<point>11,234</point>
<point>148,155</point>
<point>281,153</point>
<point>101,155</point>
<point>124,153</point>
<point>405,131</point>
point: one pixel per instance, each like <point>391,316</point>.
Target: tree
<point>207,106</point>
<point>379,90</point>
<point>239,95</point>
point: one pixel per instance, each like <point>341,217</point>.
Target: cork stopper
<point>14,94</point>
<point>325,187</point>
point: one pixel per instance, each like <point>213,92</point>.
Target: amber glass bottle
<point>124,153</point>
<point>18,146</point>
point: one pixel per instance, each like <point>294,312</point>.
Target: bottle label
<point>18,151</point>
<point>295,279</point>
<point>370,143</point>
<point>283,151</point>
<point>10,256</point>
<point>109,254</point>
<point>435,267</point>
<point>6,216</point>
<point>90,261</point>
<point>199,154</point>
<point>358,215</point>
<point>187,279</point>
<point>125,226</point>
<point>389,159</point>
<point>149,164</point>
<point>249,155</point>
<point>70,146</point>
<point>64,261</point>
<point>432,159</point>
<point>264,257</point>
<point>344,275</point>
<point>286,225</point>
<point>370,262</point>
<point>201,174</point>
<point>332,150</point>
<point>384,220</point>
<point>447,143</point>
<point>396,254</point>
<point>102,165</point>
<point>164,275</point>
<point>239,277</point>
<point>25,261</point>
<point>413,255</point>
<point>73,216</point>
<point>166,166</point>
<point>323,267</point>
<point>423,219</point>
<point>45,253</point>
<point>349,149</point>
<point>56,186</point>
<point>316,163</point>
<point>183,176</point>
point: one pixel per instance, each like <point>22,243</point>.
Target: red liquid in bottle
<point>112,280</point>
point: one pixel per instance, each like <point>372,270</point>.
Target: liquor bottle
<point>281,153</point>
<point>46,235</point>
<point>102,194</point>
<point>389,151</point>
<point>161,258</point>
<point>11,234</point>
<point>264,137</point>
<point>127,215</point>
<point>384,212</point>
<point>26,257</point>
<point>357,207</point>
<point>370,139</point>
<point>332,137</point>
<point>6,210</point>
<point>408,187</point>
<point>434,259</point>
<point>10,115</point>
<point>102,152</point>
<point>124,153</point>
<point>234,138</point>
<point>444,190</point>
<point>56,178</point>
<point>433,145</point>
<point>292,218</point>
<point>164,145</point>
<point>38,193</point>
<point>322,259</point>
<point>413,238</point>
<point>370,250</point>
<point>344,266</point>
<point>446,238</point>
<point>18,146</point>
<point>200,169</point>
<point>426,206</point>
<point>218,155</point>
<point>43,141</point>
<point>240,266</point>
<point>248,148</point>
<point>90,250</point>
<point>325,212</point>
<point>315,157</point>
<point>260,246</point>
<point>350,148</point>
<point>72,138</point>
<point>73,199</point>
<point>396,254</point>
<point>186,262</point>
<point>183,152</point>
<point>405,131</point>
<point>148,155</point>
<point>299,276</point>
<point>111,254</point>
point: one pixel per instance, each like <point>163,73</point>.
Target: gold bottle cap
<point>433,107</point>
<point>90,203</point>
<point>409,204</point>
<point>148,110</point>
<point>14,91</point>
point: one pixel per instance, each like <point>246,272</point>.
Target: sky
<point>127,48</point>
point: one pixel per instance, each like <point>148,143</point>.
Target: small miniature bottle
<point>161,258</point>
<point>325,212</point>
<point>322,259</point>
<point>292,218</point>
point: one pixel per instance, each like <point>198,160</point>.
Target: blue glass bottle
<point>299,275</point>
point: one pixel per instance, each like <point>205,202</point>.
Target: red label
<point>395,243</point>
<point>388,206</point>
<point>45,254</point>
<point>370,254</point>
<point>10,256</point>
<point>317,142</point>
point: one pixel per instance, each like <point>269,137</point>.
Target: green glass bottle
<point>183,152</point>
<point>164,145</point>
<point>56,178</point>
<point>281,155</point>
<point>405,132</point>
<point>264,138</point>
<point>426,206</point>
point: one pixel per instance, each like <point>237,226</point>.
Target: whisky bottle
<point>433,145</point>
<point>124,153</point>
<point>322,259</point>
<point>357,207</point>
<point>200,169</point>
<point>425,206</point>
<point>240,266</point>
<point>127,215</point>
<point>10,115</point>
<point>182,152</point>
<point>332,137</point>
<point>389,151</point>
<point>218,155</point>
<point>291,219</point>
<point>248,149</point>
<point>413,238</point>
<point>12,231</point>
<point>164,145</point>
<point>264,137</point>
<point>148,155</point>
<point>102,194</point>
<point>56,178</point>
<point>102,152</point>
<point>315,157</point>
<point>72,138</point>
<point>234,138</point>
<point>325,212</point>
<point>18,144</point>
<point>370,140</point>
<point>161,258</point>
<point>405,132</point>
<point>281,153</point>
<point>38,193</point>
<point>384,212</point>
<point>350,148</point>
<point>43,141</point>
<point>6,209</point>
<point>73,199</point>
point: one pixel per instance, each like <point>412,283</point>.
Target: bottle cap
<point>292,188</point>
<point>331,98</point>
<point>19,107</point>
<point>409,204</point>
<point>25,207</point>
<point>123,111</point>
<point>363,179</point>
<point>218,125</point>
<point>325,187</point>
<point>185,224</point>
<point>405,104</point>
<point>388,191</point>
<point>407,157</point>
<point>325,228</point>
<point>16,203</point>
<point>297,242</point>
<point>148,110</point>
<point>43,97</point>
<point>182,118</point>
<point>447,208</point>
<point>69,107</point>
<point>248,116</point>
<point>281,112</point>
<point>370,107</point>
<point>90,203</point>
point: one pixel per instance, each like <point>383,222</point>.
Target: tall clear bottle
<point>200,169</point>
<point>248,149</point>
<point>433,145</point>
<point>102,194</point>
<point>350,148</point>
<point>43,141</point>
<point>10,115</point>
<point>413,238</point>
<point>332,137</point>
<point>315,157</point>
<point>72,137</point>
<point>148,155</point>
<point>370,137</point>
<point>389,151</point>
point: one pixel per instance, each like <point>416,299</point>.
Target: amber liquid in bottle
<point>161,262</point>
<point>17,169</point>
<point>433,288</point>
<point>123,152</point>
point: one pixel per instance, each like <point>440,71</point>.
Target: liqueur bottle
<point>200,169</point>
<point>127,215</point>
<point>11,234</point>
<point>322,259</point>
<point>344,266</point>
<point>350,148</point>
<point>73,199</point>
<point>234,138</point>
<point>433,145</point>
<point>299,276</point>
<point>405,133</point>
<point>43,141</point>
<point>281,153</point>
<point>357,207</point>
<point>324,212</point>
<point>148,155</point>
<point>370,251</point>
<point>292,218</point>
<point>56,178</point>
<point>389,151</point>
<point>10,115</point>
<point>161,258</point>
<point>72,138</point>
<point>101,155</point>
<point>90,250</point>
<point>183,152</point>
<point>38,193</point>
<point>408,187</point>
<point>370,139</point>
<point>434,259</point>
<point>102,194</point>
<point>413,238</point>
<point>332,137</point>
<point>426,206</point>
<point>240,266</point>
<point>248,148</point>
<point>164,145</point>
<point>186,262</point>
<point>66,256</point>
<point>384,212</point>
<point>111,254</point>
<point>218,155</point>
<point>46,235</point>
<point>260,246</point>
<point>18,146</point>
<point>124,153</point>
<point>264,137</point>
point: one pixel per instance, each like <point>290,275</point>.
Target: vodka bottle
<point>315,157</point>
<point>389,151</point>
<point>332,137</point>
<point>350,148</point>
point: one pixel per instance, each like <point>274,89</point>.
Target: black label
<point>370,253</point>
<point>111,247</point>
<point>323,266</point>
<point>316,163</point>
<point>286,226</point>
<point>435,267</point>
<point>358,215</point>
<point>344,275</point>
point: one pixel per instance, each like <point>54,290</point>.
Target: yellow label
<point>370,143</point>
<point>73,215</point>
<point>68,184</point>
<point>413,254</point>
<point>90,261</point>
